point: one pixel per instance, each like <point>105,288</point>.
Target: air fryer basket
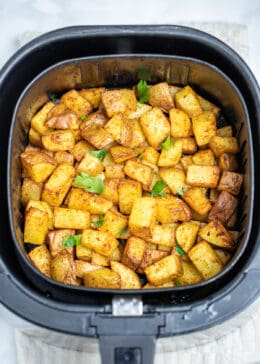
<point>163,53</point>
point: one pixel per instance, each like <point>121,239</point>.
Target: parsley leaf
<point>167,143</point>
<point>71,240</point>
<point>122,231</point>
<point>142,88</point>
<point>122,241</point>
<point>100,154</point>
<point>89,183</point>
<point>179,250</point>
<point>98,222</point>
<point>177,282</point>
<point>180,191</point>
<point>158,189</point>
<point>140,155</point>
<point>83,117</point>
<point>54,98</point>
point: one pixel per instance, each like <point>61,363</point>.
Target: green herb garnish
<point>89,183</point>
<point>167,143</point>
<point>158,189</point>
<point>177,282</point>
<point>140,155</point>
<point>83,117</point>
<point>72,240</point>
<point>155,173</point>
<point>122,241</point>
<point>54,98</point>
<point>180,191</point>
<point>98,222</point>
<point>123,231</point>
<point>100,154</point>
<point>179,250</point>
<point>142,88</point>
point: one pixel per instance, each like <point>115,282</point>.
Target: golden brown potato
<point>230,182</point>
<point>189,145</point>
<point>164,285</point>
<point>55,240</point>
<point>59,140</point>
<point>150,257</point>
<point>150,156</point>
<point>83,253</point>
<point>228,162</point>
<point>111,189</point>
<point>41,205</point>
<point>138,137</point>
<point>186,234</point>
<point>30,191</point>
<point>174,178</point>
<point>186,161</point>
<point>172,209</point>
<point>60,117</point>
<point>64,157</point>
<point>139,172</point>
<point>224,207</point>
<point>204,157</point>
<point>128,192</point>
<point>220,145</point>
<point>122,154</point>
<point>99,260</point>
<point>82,267</point>
<point>114,223</point>
<point>80,149</point>
<point>39,119</point>
<point>114,171</point>
<point>102,278</point>
<point>41,259</point>
<point>187,100</point>
<point>160,96</point>
<point>140,110</point>
<point>180,124</point>
<point>171,156</point>
<point>215,233</point>
<point>119,127</point>
<point>70,218</point>
<point>98,136</point>
<point>204,127</point>
<point>164,270</point>
<point>116,101</point>
<point>164,235</point>
<point>129,279</point>
<point>74,101</point>
<point>223,256</point>
<point>143,216</point>
<point>35,138</point>
<point>209,106</point>
<point>133,253</point>
<point>35,226</point>
<point>202,176</point>
<point>226,131</point>
<point>90,165</point>
<point>92,95</point>
<point>63,268</point>
<point>190,274</point>
<point>101,242</point>
<point>196,199</point>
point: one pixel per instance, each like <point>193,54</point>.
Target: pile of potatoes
<point>123,194</point>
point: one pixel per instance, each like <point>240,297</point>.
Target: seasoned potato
<point>180,124</point>
<point>196,199</point>
<point>186,161</point>
<point>223,255</point>
<point>101,242</point>
<point>71,218</point>
<point>97,136</point>
<point>90,165</point>
<point>174,178</point>
<point>204,157</point>
<point>41,259</point>
<point>119,127</point>
<point>128,192</point>
<point>35,138</point>
<point>133,253</point>
<point>139,172</point>
<point>150,156</point>
<point>220,145</point>
<point>113,223</point>
<point>58,140</point>
<point>230,182</point>
<point>228,162</point>
<point>64,157</point>
<point>111,189</point>
<point>82,267</point>
<point>116,101</point>
<point>38,121</point>
<point>171,156</point>
<point>92,95</point>
<point>164,235</point>
<point>114,171</point>
<point>164,285</point>
<point>102,278</point>
<point>202,176</point>
<point>55,240</point>
<point>143,216</point>
<point>74,101</point>
<point>41,205</point>
<point>160,96</point>
<point>171,210</point>
<point>99,260</point>
<point>224,207</point>
<point>83,253</point>
<point>164,270</point>
<point>129,279</point>
<point>30,191</point>
<point>204,127</point>
<point>63,268</point>
<point>138,137</point>
<point>189,145</point>
<point>209,106</point>
<point>60,117</point>
<point>187,100</point>
<point>80,149</point>
<point>226,131</point>
<point>35,226</point>
<point>122,154</point>
<point>186,234</point>
<point>190,274</point>
<point>215,233</point>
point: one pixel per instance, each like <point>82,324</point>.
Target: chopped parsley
<point>143,90</point>
<point>71,240</point>
<point>158,189</point>
<point>98,222</point>
<point>100,154</point>
<point>83,117</point>
<point>89,183</point>
<point>179,250</point>
<point>167,143</point>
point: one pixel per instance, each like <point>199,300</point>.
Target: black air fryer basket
<point>126,321</point>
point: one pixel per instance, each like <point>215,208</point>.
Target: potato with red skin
<point>223,208</point>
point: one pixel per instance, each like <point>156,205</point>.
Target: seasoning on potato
<point>123,182</point>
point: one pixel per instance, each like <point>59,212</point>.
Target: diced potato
<point>150,257</point>
<point>120,129</point>
<point>151,246</point>
<point>142,217</point>
<point>202,176</point>
<point>111,189</point>
<point>174,178</point>
<point>204,127</point>
<point>64,157</point>
<point>180,124</point>
<point>139,172</point>
<point>190,274</point>
<point>173,90</point>
<point>164,270</point>
<point>187,100</point>
<point>90,165</point>
<point>83,253</point>
<point>70,218</point>
<point>92,95</point>
<point>38,165</point>
<point>150,156</point>
<point>140,110</point>
<point>116,255</point>
<point>186,161</point>
<point>98,118</point>
<point>205,259</point>
<point>35,138</point>
<point>129,279</point>
<point>58,140</point>
<point>160,96</point>
<point>209,106</point>
<point>133,252</point>
<point>224,207</point>
<point>196,199</point>
<point>220,145</point>
<point>156,126</point>
<point>99,260</point>
<point>35,226</point>
<point>165,248</point>
<point>116,101</point>
<point>138,137</point>
<point>39,119</point>
<point>228,162</point>
<point>97,136</point>
<point>114,171</point>
<point>41,205</point>
<point>204,157</point>
<point>197,217</point>
<point>102,278</point>
<point>101,242</point>
<point>113,223</point>
<point>128,192</point>
<point>63,268</point>
<point>164,285</point>
<point>223,255</point>
<point>172,156</point>
<point>226,131</point>
<point>41,259</point>
<point>189,145</point>
<point>30,191</point>
<point>82,267</point>
<point>186,234</point>
<point>81,200</point>
<point>55,241</point>
<point>164,235</point>
<point>230,182</point>
<point>74,101</point>
<point>122,154</point>
<point>57,186</point>
<point>172,209</point>
<point>215,233</point>
<point>80,149</point>
<point>60,117</point>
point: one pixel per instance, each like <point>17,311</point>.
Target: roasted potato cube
<point>220,145</point>
<point>133,252</point>
<point>60,117</point>
<point>189,145</point>
<point>223,255</point>
<point>122,154</point>
<point>180,124</point>
<point>116,101</point>
<point>30,191</point>
<point>80,148</point>
<point>38,165</point>
<point>223,208</point>
<point>204,127</point>
<point>186,161</point>
<point>172,209</point>
<point>228,162</point>
<point>55,241</point>
<point>139,172</point>
<point>64,157</point>
<point>41,205</point>
<point>116,255</point>
<point>63,268</point>
<point>74,101</point>
<point>230,182</point>
<point>142,217</point>
<point>164,270</point>
<point>101,242</point>
<point>204,157</point>
<point>82,267</point>
<point>160,96</point>
<point>150,257</point>
<point>90,165</point>
<point>81,200</point>
<point>35,138</point>
<point>111,187</point>
<point>41,259</point>
<point>98,136</point>
<point>190,274</point>
<point>128,192</point>
<point>187,100</point>
<point>39,119</point>
<point>114,171</point>
<point>196,199</point>
<point>156,126</point>
<point>98,118</point>
<point>100,260</point>
<point>164,248</point>
<point>120,129</point>
<point>113,223</point>
<point>35,226</point>
<point>164,285</point>
<point>173,90</point>
<point>129,279</point>
<point>186,234</point>
<point>138,137</point>
<point>164,235</point>
<point>209,106</point>
<point>58,140</point>
<point>174,178</point>
<point>215,233</point>
<point>102,278</point>
<point>150,156</point>
<point>70,218</point>
<point>171,156</point>
<point>57,186</point>
<point>202,176</point>
<point>205,260</point>
<point>226,131</point>
<point>92,95</point>
<point>140,110</point>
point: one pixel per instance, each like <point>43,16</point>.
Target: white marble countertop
<point>37,16</point>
